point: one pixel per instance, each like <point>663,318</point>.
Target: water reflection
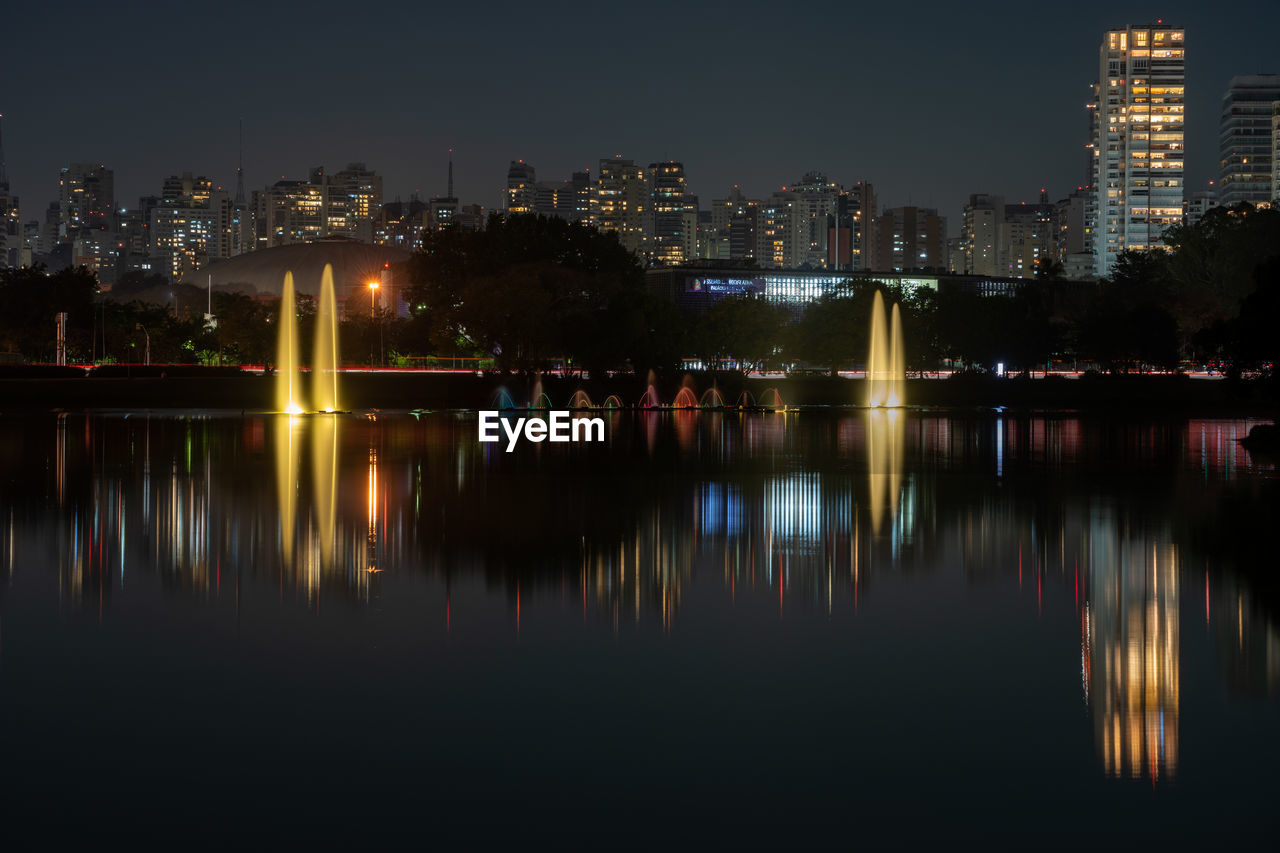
<point>1105,523</point>
<point>1130,650</point>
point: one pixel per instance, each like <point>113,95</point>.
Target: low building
<point>698,288</point>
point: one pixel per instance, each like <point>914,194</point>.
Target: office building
<point>522,182</point>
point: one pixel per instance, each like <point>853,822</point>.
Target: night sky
<point>929,101</point>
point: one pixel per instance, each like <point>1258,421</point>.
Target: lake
<point>825,626</point>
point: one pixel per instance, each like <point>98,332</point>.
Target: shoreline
<point>192,389</point>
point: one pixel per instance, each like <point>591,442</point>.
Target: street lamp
<point>144,331</point>
<point>373,301</point>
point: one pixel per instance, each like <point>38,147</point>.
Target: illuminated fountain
<point>501,399</point>
<point>712,399</point>
<point>613,401</point>
<point>324,366</point>
<point>538,399</point>
<point>685,399</point>
<point>771,399</point>
<point>886,364</point>
<point>580,400</point>
<point>288,376</point>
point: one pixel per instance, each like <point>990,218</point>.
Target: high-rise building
<point>346,204</point>
<point>353,199</point>
<point>1073,219</point>
<point>672,232</point>
<point>732,227</point>
<point>860,213</point>
<point>621,201</point>
<point>86,199</point>
<point>782,233</point>
<point>402,223</point>
<point>521,187</point>
<point>1275,150</point>
<point>1028,241</point>
<point>909,238</point>
<point>1139,143</point>
<point>980,234</point>
<point>1245,139</point>
<point>12,237</point>
<point>570,200</point>
<point>191,227</point>
<point>817,201</point>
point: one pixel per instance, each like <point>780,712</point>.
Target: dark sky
<point>930,101</point>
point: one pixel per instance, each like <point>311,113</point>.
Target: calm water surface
<point>715,628</point>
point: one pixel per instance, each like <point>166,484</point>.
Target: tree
<point>526,289</point>
<point>30,298</point>
<point>747,328</point>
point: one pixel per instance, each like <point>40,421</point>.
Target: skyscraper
<point>622,200</point>
<point>909,238</point>
<point>981,233</point>
<point>672,234</point>
<point>11,231</point>
<point>1244,139</point>
<point>1139,140</point>
<point>86,199</point>
<point>191,227</point>
<point>521,187</point>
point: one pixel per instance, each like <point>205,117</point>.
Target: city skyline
<point>543,115</point>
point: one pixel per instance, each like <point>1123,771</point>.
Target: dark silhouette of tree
<point>527,289</point>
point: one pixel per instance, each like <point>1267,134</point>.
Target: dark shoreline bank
<point>220,388</point>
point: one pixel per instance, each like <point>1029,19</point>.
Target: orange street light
<point>373,296</point>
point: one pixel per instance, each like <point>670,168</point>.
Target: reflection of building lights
<point>1130,653</point>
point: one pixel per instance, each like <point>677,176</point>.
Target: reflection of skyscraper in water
<point>1130,652</point>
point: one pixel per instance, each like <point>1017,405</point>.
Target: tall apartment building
<point>1139,142</point>
<point>1028,240</point>
<point>12,232</point>
<point>980,233</point>
<point>1275,150</point>
<point>1245,146</point>
<point>733,227</point>
<point>402,223</point>
<point>859,212</point>
<point>672,232</point>
<point>190,227</point>
<point>86,199</point>
<point>782,232</point>
<point>346,204</point>
<point>909,238</point>
<point>1073,219</point>
<point>1014,239</point>
<point>817,202</point>
<point>621,201</point>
